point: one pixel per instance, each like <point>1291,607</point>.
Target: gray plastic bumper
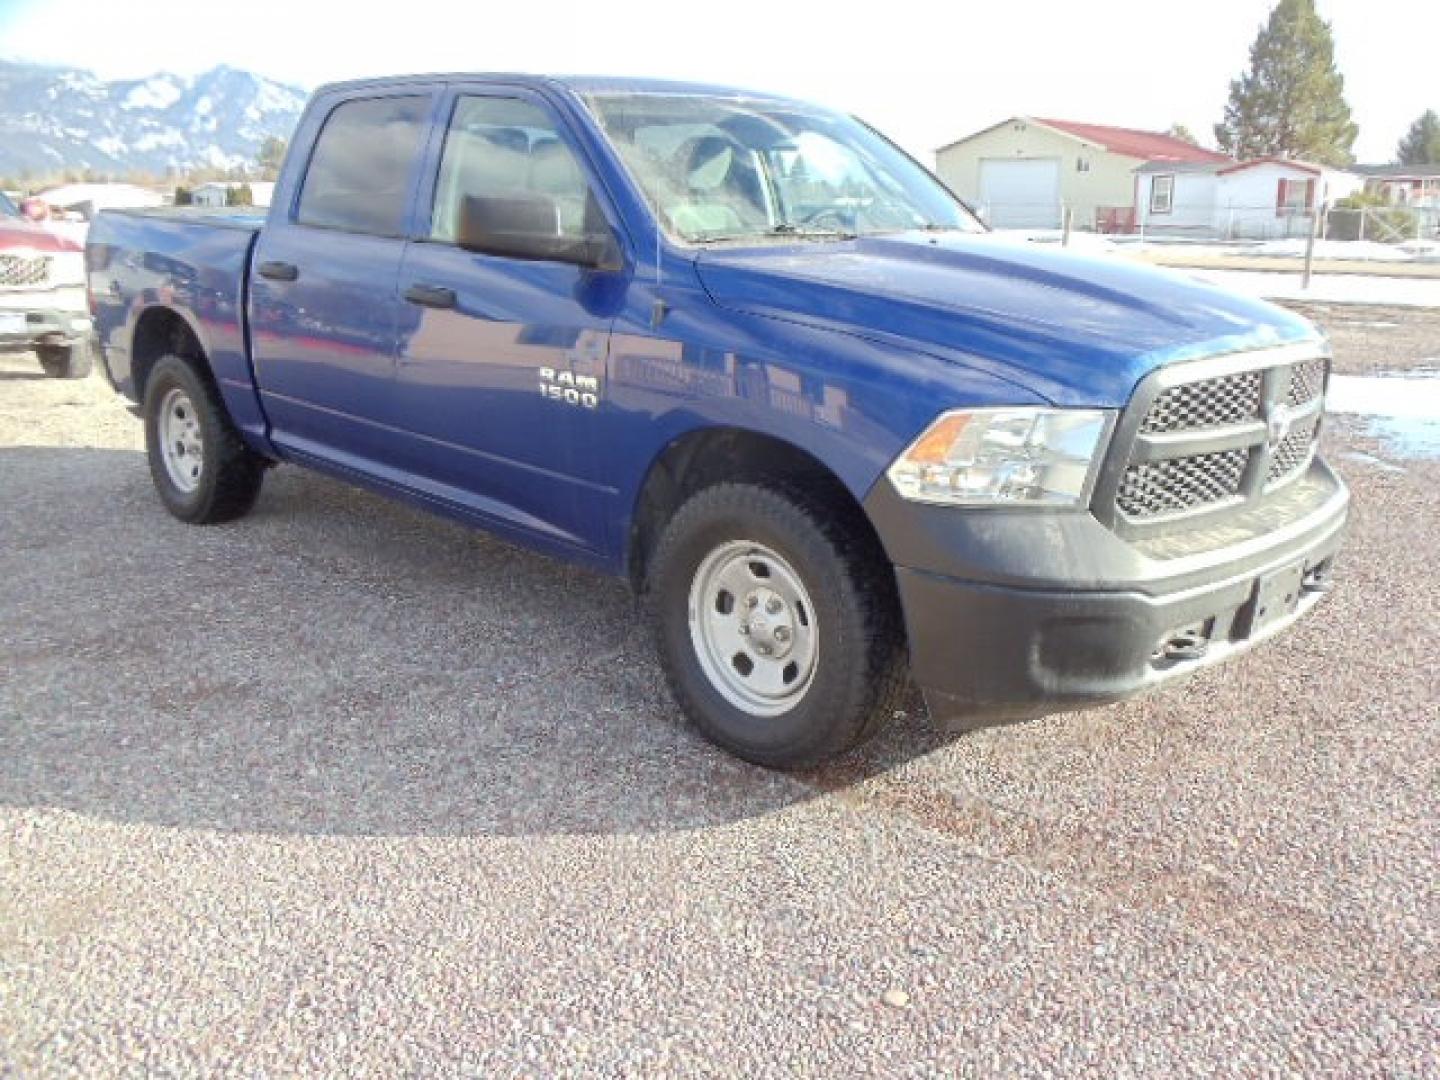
<point>1016,613</point>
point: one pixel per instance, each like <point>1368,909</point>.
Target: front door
<point>501,376</point>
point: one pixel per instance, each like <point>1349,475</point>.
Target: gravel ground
<point>343,788</point>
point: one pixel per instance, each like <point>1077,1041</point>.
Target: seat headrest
<point>553,169</point>
<point>708,160</point>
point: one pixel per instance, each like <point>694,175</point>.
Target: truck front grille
<point>24,271</point>
<point>1195,445</point>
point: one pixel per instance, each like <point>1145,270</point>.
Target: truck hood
<point>1078,330</point>
<point>19,233</point>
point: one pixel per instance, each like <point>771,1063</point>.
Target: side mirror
<point>529,227</point>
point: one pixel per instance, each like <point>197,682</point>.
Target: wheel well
<point>162,332</point>
<point>700,459</point>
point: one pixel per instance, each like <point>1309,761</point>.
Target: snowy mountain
<point>53,119</point>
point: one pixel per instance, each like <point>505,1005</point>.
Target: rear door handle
<point>279,271</point>
<point>435,296</point>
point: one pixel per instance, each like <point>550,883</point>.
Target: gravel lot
<point>345,788</point>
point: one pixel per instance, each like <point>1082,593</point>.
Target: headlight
<point>1004,457</point>
<point>67,268</point>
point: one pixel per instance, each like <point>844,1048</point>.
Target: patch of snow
<point>158,92</point>
<point>272,98</point>
<point>1294,248</point>
<point>1402,409</point>
<point>155,140</point>
<point>1328,288</point>
<point>1088,243</point>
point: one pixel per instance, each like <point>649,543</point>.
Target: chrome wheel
<point>182,445</point>
<point>753,628</point>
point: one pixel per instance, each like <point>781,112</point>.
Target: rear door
<point>324,308</point>
<point>501,372</point>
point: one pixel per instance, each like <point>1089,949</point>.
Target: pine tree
<point>1291,103</point>
<point>272,153</point>
<point>1421,144</point>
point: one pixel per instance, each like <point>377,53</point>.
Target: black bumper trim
<point>1004,652</point>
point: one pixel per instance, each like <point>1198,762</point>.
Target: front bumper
<point>43,317</point>
<point>1018,614</point>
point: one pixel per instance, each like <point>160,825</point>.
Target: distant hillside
<point>55,119</point>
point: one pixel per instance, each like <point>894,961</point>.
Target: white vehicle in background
<point>42,295</point>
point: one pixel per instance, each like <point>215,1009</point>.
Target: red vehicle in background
<point>42,295</point>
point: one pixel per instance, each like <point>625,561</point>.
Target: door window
<point>359,175</point>
<point>508,148</point>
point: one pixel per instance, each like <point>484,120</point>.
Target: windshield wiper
<point>786,228</point>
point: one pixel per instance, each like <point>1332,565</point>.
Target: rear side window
<point>359,175</point>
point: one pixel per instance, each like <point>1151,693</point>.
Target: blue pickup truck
<point>744,352</point>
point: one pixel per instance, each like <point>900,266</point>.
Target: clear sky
<point>924,73</point>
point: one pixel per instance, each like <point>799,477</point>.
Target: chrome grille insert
<point>21,271</point>
<point>1209,435</point>
<point>1154,488</point>
<point>1307,382</point>
<point>1292,454</point>
<point>1229,399</point>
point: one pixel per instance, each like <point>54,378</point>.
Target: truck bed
<point>192,262</point>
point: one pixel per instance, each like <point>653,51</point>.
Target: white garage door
<point>1021,194</point>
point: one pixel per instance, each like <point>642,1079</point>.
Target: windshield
<point>720,169</point>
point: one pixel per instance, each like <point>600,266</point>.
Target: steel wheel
<point>182,445</point>
<point>753,628</point>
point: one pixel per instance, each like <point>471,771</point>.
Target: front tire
<point>65,361</point>
<point>203,471</point>
<point>778,628</point>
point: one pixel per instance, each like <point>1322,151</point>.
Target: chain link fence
<point>1396,225</point>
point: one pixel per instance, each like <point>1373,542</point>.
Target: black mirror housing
<point>528,227</point>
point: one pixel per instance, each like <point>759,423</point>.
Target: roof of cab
<point>577,84</point>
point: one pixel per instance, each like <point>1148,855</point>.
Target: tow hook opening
<point>1192,643</point>
<point>1317,578</point>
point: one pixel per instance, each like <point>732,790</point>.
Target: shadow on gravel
<point>337,664</point>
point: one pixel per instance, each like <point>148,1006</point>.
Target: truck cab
<point>742,351</point>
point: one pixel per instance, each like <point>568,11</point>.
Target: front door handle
<point>279,271</point>
<point>436,296</point>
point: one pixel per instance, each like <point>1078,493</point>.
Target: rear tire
<point>203,471</point>
<point>778,629</point>
<point>65,361</point>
